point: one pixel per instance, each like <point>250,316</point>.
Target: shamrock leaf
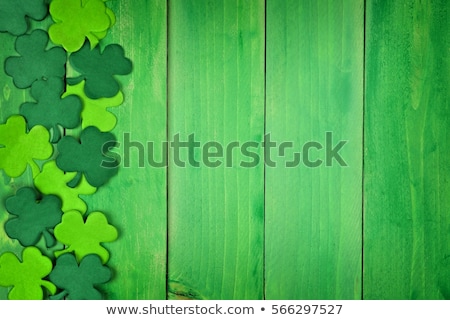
<point>88,156</point>
<point>13,14</point>
<point>54,181</point>
<point>51,110</point>
<point>95,112</point>
<point>77,20</point>
<point>19,148</point>
<point>98,69</point>
<point>84,238</point>
<point>26,277</point>
<point>36,62</point>
<point>34,217</point>
<point>79,282</point>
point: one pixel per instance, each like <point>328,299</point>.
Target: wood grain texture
<point>135,200</point>
<point>216,91</point>
<point>10,100</point>
<point>407,211</point>
<point>314,85</point>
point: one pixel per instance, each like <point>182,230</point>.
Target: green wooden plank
<point>216,92</point>
<point>11,98</point>
<point>135,200</point>
<point>314,85</point>
<point>407,186</point>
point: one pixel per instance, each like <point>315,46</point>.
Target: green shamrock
<point>95,111</point>
<point>35,62</point>
<point>98,69</point>
<point>88,156</point>
<point>19,148</point>
<point>84,238</point>
<point>78,281</point>
<point>76,20</point>
<point>34,217</point>
<point>53,180</point>
<point>13,14</point>
<point>51,110</point>
<point>26,277</point>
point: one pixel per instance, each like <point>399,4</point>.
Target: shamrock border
<point>76,256</point>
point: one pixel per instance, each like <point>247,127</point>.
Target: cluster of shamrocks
<point>72,165</point>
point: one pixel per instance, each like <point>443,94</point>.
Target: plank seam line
<point>264,162</point>
<point>167,151</point>
<point>363,150</point>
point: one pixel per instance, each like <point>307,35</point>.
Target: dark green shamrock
<point>35,62</point>
<point>98,69</point>
<point>51,110</point>
<point>13,14</point>
<point>33,217</point>
<point>88,156</point>
<point>78,282</point>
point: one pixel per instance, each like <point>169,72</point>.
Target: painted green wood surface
<point>407,158</point>
<point>216,91</point>
<point>278,233</point>
<point>314,85</point>
<point>135,199</point>
<point>10,100</point>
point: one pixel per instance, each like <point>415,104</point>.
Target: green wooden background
<point>375,73</point>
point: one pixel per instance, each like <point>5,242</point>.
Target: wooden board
<point>134,200</point>
<point>407,190</point>
<point>10,100</point>
<point>314,86</point>
<point>234,70</point>
<point>216,91</point>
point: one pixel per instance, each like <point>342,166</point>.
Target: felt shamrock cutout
<point>84,238</point>
<point>35,62</point>
<point>26,277</point>
<point>95,111</point>
<point>13,14</point>
<point>78,281</point>
<point>19,148</point>
<point>51,110</point>
<point>53,180</point>
<point>89,156</point>
<point>77,20</point>
<point>34,217</point>
<point>98,69</point>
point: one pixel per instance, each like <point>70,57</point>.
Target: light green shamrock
<point>76,20</point>
<point>94,111</point>
<point>19,148</point>
<point>26,277</point>
<point>53,180</point>
<point>84,238</point>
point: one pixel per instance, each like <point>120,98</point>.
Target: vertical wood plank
<point>216,92</point>
<point>314,85</point>
<point>10,100</point>
<point>135,199</point>
<point>407,186</point>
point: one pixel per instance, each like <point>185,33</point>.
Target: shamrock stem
<point>49,239</point>
<point>34,168</point>
<point>49,286</point>
<point>74,81</point>
<point>59,296</point>
<point>56,134</point>
<point>75,181</point>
